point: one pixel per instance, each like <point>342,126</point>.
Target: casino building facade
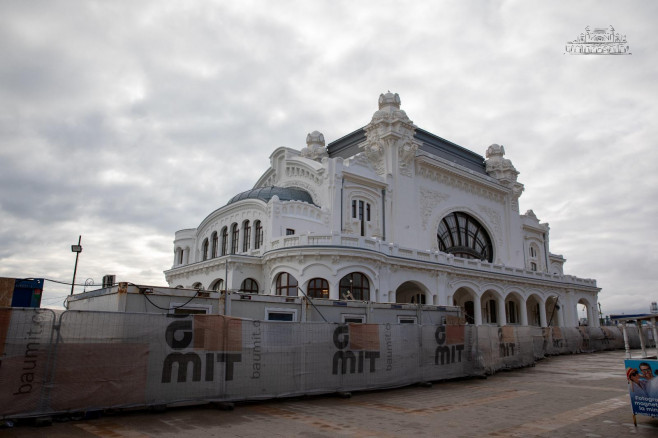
<point>389,213</point>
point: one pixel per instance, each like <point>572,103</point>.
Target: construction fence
<point>71,361</point>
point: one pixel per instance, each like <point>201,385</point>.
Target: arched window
<point>179,255</point>
<point>259,235</point>
<point>249,286</point>
<point>286,285</point>
<point>356,286</point>
<point>460,234</point>
<point>204,249</point>
<point>246,236</point>
<point>197,286</point>
<point>214,244</point>
<point>224,240</point>
<point>217,285</point>
<point>318,288</point>
<point>235,236</point>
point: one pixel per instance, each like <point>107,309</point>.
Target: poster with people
<point>642,377</point>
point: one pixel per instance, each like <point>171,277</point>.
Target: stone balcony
<point>389,249</point>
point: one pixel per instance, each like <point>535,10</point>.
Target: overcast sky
<point>126,121</point>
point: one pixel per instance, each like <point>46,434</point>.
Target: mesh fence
<point>58,362</point>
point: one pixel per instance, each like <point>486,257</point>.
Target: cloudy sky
<point>126,121</point>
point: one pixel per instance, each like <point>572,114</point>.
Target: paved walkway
<point>567,396</point>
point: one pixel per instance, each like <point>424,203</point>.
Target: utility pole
<point>77,249</point>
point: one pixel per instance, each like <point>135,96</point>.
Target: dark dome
<point>266,193</point>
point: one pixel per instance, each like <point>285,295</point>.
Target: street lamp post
<point>77,249</point>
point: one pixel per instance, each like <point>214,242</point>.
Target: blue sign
<point>27,292</point>
<point>642,377</point>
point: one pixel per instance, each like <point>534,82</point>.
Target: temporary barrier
<point>72,361</point>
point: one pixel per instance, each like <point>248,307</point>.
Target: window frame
<point>250,291</point>
<point>235,237</point>
<point>246,236</point>
<point>280,287</point>
<point>311,288</point>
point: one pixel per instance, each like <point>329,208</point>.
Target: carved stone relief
<point>429,199</point>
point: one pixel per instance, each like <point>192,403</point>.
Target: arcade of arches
<point>486,306</point>
<point>491,307</point>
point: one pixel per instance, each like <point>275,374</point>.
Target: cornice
<point>442,171</point>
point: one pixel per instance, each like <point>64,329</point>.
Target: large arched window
<point>460,234</point>
<point>318,288</point>
<point>204,249</point>
<point>217,285</point>
<point>355,286</point>
<point>235,236</point>
<point>258,242</point>
<point>249,286</point>
<point>215,240</point>
<point>246,236</point>
<point>224,241</point>
<point>286,285</point>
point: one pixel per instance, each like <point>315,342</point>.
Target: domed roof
<point>266,193</point>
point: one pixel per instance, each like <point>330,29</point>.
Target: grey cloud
<point>125,122</point>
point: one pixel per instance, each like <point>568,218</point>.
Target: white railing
<point>394,250</point>
<point>421,255</point>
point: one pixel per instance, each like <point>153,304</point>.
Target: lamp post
<point>77,249</point>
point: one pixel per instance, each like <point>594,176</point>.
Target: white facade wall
<point>376,208</point>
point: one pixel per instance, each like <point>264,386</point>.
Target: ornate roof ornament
<point>315,147</point>
<point>499,167</point>
<point>390,128</point>
<point>531,214</point>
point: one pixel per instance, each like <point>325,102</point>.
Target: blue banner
<point>642,377</point>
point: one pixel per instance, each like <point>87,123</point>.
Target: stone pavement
<point>582,395</point>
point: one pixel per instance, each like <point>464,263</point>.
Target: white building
<point>388,213</point>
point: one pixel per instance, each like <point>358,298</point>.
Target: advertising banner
<point>77,361</point>
<point>642,377</point>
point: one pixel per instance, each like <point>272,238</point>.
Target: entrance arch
<point>467,299</point>
<point>536,311</point>
<point>515,309</point>
<point>553,311</point>
<point>493,310</point>
<point>411,292</point>
<point>585,316</point>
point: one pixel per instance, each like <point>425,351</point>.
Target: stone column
<point>560,316</point>
<point>542,314</point>
<point>523,312</point>
<point>477,310</point>
<point>502,314</point>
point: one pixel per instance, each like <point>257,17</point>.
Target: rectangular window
<point>368,212</point>
<point>182,309</point>
<point>353,209</point>
<point>354,319</point>
<point>290,232</point>
<point>281,315</point>
<point>407,320</point>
